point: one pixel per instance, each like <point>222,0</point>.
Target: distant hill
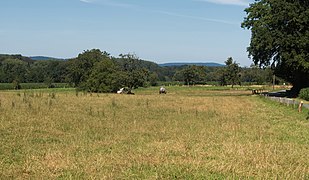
<point>44,58</point>
<point>15,56</point>
<point>210,64</point>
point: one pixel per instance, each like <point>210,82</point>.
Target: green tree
<point>223,77</point>
<point>47,70</point>
<point>256,75</point>
<point>191,75</point>
<point>14,70</point>
<point>37,72</point>
<point>102,77</point>
<point>280,38</point>
<point>231,73</point>
<point>153,79</point>
<point>135,75</point>
<point>80,68</point>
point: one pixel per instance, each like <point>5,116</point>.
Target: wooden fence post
<point>300,106</point>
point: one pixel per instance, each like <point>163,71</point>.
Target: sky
<point>160,31</point>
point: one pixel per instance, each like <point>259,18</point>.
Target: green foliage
<point>15,56</point>
<point>96,71</point>
<point>25,70</point>
<point>257,75</point>
<point>80,68</point>
<point>103,77</point>
<point>135,75</point>
<point>280,38</point>
<point>10,86</point>
<point>304,94</point>
<point>231,73</point>
<point>153,79</point>
<point>191,75</point>
<point>16,85</point>
<point>13,69</point>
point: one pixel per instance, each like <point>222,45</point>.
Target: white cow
<point>120,91</point>
<point>162,90</point>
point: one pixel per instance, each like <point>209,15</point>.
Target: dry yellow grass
<point>186,134</point>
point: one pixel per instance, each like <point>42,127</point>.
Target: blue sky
<point>159,30</point>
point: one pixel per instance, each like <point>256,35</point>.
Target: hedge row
<point>10,86</point>
<point>304,94</point>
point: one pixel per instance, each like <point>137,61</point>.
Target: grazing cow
<point>121,91</point>
<point>125,91</point>
<point>162,90</point>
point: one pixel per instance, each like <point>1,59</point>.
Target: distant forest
<point>97,71</point>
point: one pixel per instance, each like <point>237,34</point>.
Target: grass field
<point>189,133</point>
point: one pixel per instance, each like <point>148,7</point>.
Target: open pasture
<point>189,133</point>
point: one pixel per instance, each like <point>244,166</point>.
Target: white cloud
<point>228,2</point>
<point>198,18</point>
<point>86,1</point>
<point>135,7</point>
<point>117,4</point>
<point>107,3</point>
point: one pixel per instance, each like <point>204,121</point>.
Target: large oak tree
<point>280,38</point>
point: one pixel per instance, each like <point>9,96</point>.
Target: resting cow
<point>162,90</point>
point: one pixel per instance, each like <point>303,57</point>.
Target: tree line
<point>280,39</point>
<point>97,71</point>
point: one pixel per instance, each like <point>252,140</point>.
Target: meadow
<point>188,133</point>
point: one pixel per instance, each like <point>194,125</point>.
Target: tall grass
<point>186,134</point>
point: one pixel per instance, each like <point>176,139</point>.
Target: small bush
<point>16,85</point>
<point>51,86</point>
<point>304,94</point>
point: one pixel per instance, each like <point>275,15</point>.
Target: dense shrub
<point>16,85</point>
<point>304,94</point>
<point>11,86</point>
